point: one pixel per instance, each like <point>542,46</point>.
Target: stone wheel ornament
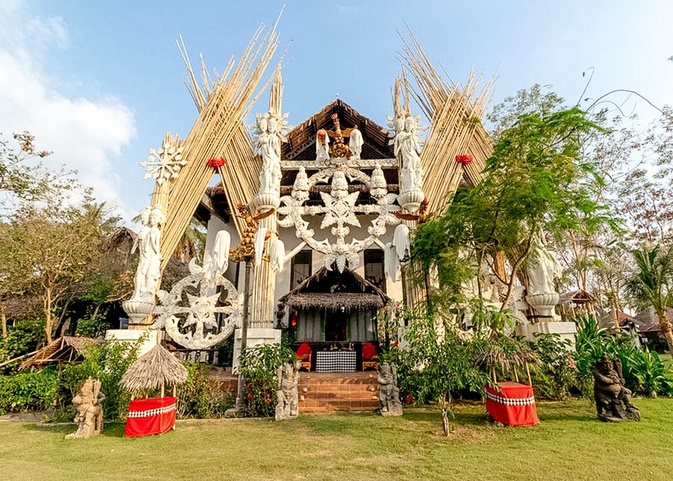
<point>339,209</point>
<point>189,312</point>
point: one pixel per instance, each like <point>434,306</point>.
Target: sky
<point>100,83</point>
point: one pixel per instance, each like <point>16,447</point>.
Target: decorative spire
<point>338,148</point>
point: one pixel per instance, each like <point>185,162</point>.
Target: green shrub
<point>200,396</point>
<point>259,365</point>
<point>649,373</point>
<point>28,391</point>
<point>106,362</point>
<point>24,337</point>
<point>557,377</point>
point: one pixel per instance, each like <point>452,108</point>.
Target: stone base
<point>151,339</point>
<point>566,330</point>
<point>255,338</point>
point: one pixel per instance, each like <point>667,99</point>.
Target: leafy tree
<point>51,248</point>
<point>536,181</point>
<point>442,364</point>
<point>652,284</point>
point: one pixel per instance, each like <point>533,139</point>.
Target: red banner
<point>150,416</point>
<point>513,404</point>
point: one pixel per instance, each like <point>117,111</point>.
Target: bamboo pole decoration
<point>455,114</point>
<point>222,101</point>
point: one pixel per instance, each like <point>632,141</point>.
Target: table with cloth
<point>150,416</point>
<point>335,361</point>
<point>512,404</point>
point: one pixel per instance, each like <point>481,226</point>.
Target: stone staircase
<point>324,393</point>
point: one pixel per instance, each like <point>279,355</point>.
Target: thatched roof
<point>577,297</point>
<point>63,349</point>
<point>647,320</point>
<point>507,357</point>
<point>153,370</point>
<point>333,290</point>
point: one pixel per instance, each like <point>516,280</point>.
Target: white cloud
<point>84,134</point>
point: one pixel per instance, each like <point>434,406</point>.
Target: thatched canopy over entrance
<point>333,290</point>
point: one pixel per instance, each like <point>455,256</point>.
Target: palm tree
<point>652,284</point>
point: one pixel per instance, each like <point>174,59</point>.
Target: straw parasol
<point>154,370</point>
<point>508,354</point>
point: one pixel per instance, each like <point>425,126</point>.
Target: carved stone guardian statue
<point>389,393</point>
<point>89,402</point>
<point>288,397</point>
<point>613,399</point>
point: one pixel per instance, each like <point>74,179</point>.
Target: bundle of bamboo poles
<point>219,132</point>
<point>455,114</point>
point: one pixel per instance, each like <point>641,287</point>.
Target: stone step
<point>324,393</point>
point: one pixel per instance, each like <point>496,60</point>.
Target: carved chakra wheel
<point>340,211</point>
<point>195,314</point>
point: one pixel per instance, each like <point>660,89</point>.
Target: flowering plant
<point>217,163</point>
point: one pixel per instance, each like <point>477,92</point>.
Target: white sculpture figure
<point>139,243</point>
<point>322,145</point>
<point>412,174</point>
<point>277,256</point>
<point>268,143</point>
<point>216,259</point>
<point>541,269</point>
<point>260,238</point>
<point>152,256</point>
<point>398,130</point>
<point>355,143</point>
<point>401,241</point>
<point>300,186</point>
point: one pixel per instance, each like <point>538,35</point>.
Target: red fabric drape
<point>150,416</point>
<point>513,405</point>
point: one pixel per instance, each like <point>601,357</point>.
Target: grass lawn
<point>569,444</point>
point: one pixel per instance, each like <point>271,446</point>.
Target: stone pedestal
<point>566,330</point>
<point>255,338</point>
<point>139,313</point>
<point>148,337</point>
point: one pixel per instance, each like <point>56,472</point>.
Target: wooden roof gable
<point>300,143</point>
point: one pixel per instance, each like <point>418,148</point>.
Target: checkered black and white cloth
<point>510,401</point>
<point>335,361</point>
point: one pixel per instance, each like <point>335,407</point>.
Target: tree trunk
<point>49,319</point>
<point>4,320</point>
<point>445,406</point>
<point>665,328</point>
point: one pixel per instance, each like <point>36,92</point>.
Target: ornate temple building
<point>308,227</point>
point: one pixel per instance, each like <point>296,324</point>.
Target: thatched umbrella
<point>154,370</point>
<point>508,354</point>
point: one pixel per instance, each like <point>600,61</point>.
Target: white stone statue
<point>139,243</point>
<point>149,264</point>
<point>216,259</point>
<point>541,268</point>
<point>355,143</point>
<point>268,143</point>
<point>408,146</point>
<point>322,145</point>
<point>150,256</point>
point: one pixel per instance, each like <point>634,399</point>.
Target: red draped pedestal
<point>150,416</point>
<point>513,405</point>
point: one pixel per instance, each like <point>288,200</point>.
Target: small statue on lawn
<point>89,402</point>
<point>613,399</point>
<point>288,397</point>
<point>389,393</point>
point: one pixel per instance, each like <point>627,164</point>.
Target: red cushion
<point>368,351</point>
<point>304,350</point>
